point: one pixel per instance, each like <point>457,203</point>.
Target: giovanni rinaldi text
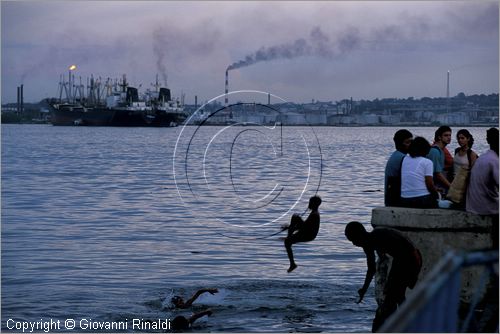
<point>86,324</point>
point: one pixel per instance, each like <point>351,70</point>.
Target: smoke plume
<point>317,44</point>
<point>159,42</point>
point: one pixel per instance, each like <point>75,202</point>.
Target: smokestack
<point>268,99</point>
<point>22,99</point>
<point>227,84</point>
<point>69,86</point>
<point>196,102</point>
<point>18,99</point>
<point>448,92</point>
<point>448,85</point>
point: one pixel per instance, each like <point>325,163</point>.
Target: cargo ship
<point>114,103</point>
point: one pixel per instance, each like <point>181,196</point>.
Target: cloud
<point>404,31</point>
<point>191,44</point>
<point>180,45</point>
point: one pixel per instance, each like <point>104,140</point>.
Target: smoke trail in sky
<point>317,44</point>
<point>159,42</point>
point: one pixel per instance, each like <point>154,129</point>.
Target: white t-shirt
<point>413,173</point>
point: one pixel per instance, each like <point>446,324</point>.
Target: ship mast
<point>157,84</point>
<point>124,84</point>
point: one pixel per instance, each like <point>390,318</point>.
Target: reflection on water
<point>93,225</point>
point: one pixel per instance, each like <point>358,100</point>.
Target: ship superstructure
<point>114,103</point>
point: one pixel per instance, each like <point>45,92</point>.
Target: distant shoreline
<point>480,125</point>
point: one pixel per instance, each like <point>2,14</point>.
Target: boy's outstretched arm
<point>198,293</point>
<point>370,259</point>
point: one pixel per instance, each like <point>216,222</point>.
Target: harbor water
<point>104,225</point>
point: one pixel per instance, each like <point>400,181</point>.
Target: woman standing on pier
<point>464,155</point>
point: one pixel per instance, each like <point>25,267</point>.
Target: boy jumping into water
<point>302,231</point>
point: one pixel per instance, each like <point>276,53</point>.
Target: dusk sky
<point>300,51</point>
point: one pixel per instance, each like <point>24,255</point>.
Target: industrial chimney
<point>18,99</point>
<point>448,92</point>
<point>22,98</point>
<point>448,85</point>
<point>227,84</point>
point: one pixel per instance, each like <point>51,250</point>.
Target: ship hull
<point>122,105</point>
<point>65,116</point>
<point>145,119</point>
<point>114,117</point>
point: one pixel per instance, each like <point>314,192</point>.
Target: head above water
<point>179,323</point>
<point>356,233</point>
<point>402,140</point>
<point>314,202</point>
<point>177,300</point>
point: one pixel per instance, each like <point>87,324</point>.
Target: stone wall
<point>435,232</point>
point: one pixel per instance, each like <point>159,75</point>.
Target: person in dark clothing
<point>302,231</point>
<point>406,265</point>
<point>180,322</point>
<point>441,158</point>
<point>392,181</point>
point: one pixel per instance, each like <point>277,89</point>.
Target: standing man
<point>406,264</point>
<point>442,137</point>
<point>392,189</point>
<point>482,193</point>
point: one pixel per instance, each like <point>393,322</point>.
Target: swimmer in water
<point>179,302</point>
<point>180,322</point>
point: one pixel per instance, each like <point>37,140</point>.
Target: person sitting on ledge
<point>392,185</point>
<point>417,185</point>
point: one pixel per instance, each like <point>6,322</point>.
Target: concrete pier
<point>435,232</point>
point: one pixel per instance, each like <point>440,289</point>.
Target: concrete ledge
<point>430,219</point>
<point>435,232</point>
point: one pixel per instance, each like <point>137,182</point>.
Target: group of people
<point>418,173</point>
<point>299,230</point>
<point>414,176</point>
<point>406,264</point>
<point>181,322</point>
